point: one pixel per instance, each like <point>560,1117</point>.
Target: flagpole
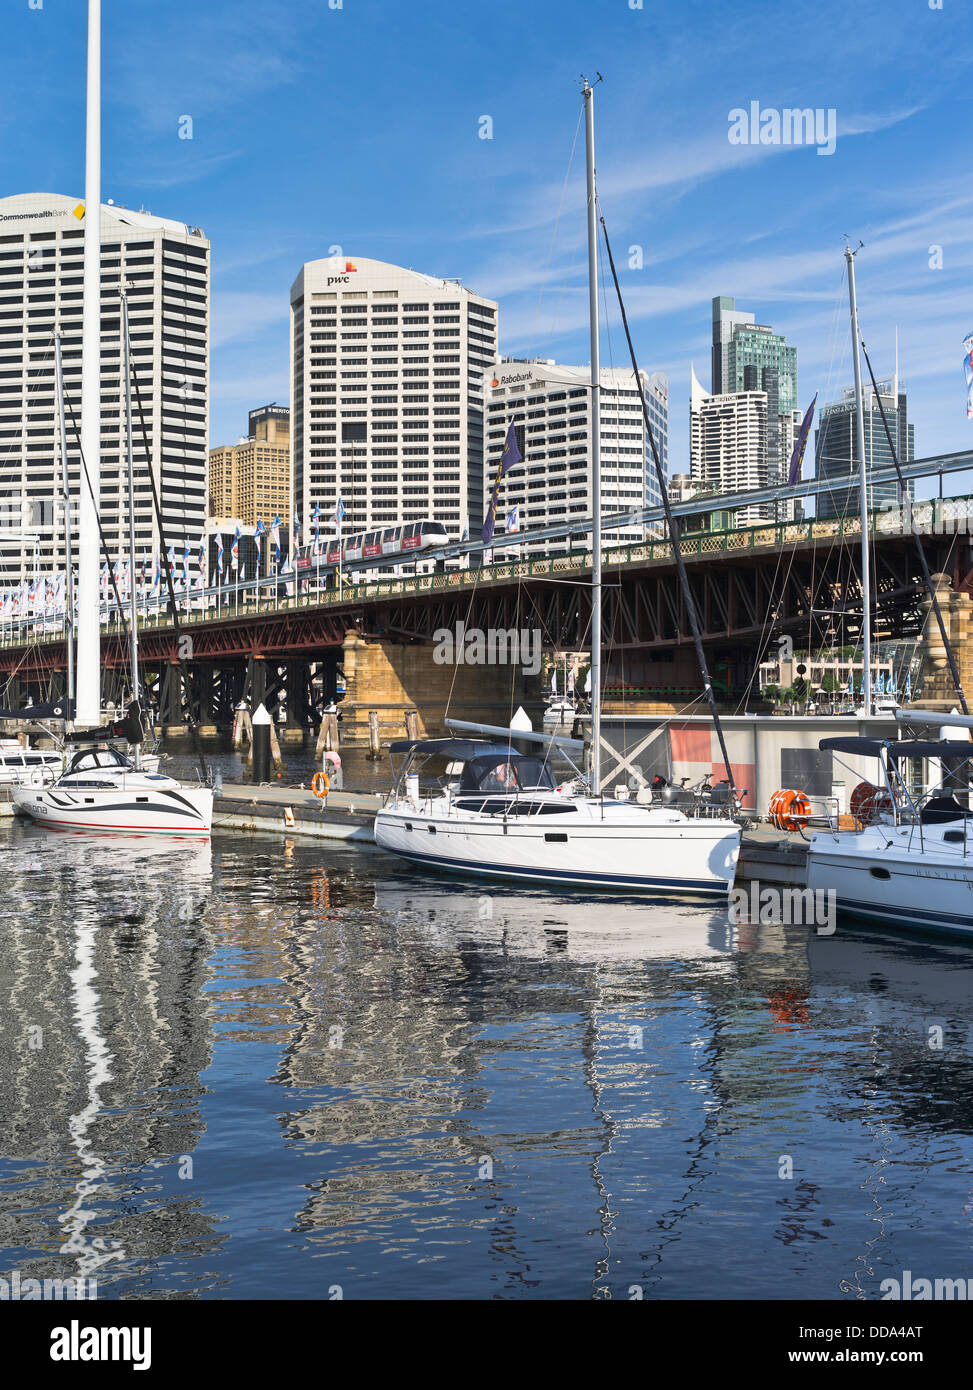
<point>595,435</point>
<point>88,713</point>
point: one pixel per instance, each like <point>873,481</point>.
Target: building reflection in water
<point>414,1086</point>
<point>102,1043</point>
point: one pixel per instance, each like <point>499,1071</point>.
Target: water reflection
<point>275,1069</point>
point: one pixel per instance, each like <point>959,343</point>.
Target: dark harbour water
<point>268,1070</point>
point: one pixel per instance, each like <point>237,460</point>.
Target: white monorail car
<point>393,544</point>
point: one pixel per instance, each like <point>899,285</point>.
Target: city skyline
<point>401,173</point>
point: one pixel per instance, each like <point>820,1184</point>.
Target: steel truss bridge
<point>749,585</point>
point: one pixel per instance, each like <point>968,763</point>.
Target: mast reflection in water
<point>276,1070</point>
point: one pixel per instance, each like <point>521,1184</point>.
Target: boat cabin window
<point>509,773</point>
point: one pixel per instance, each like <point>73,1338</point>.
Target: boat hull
<point>186,812</point>
<point>918,894</point>
<point>695,858</point>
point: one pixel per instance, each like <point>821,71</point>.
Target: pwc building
<point>386,396</point>
<point>164,265</point>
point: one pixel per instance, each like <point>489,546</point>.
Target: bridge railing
<point>947,516</point>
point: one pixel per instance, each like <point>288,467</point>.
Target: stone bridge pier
<point>938,690</point>
<point>395,677</point>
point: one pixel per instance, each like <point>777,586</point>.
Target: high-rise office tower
<point>164,266</point>
<point>728,445</point>
<point>725,319</point>
<point>553,484</point>
<point>836,447</point>
<point>387,396</point>
<point>251,480</point>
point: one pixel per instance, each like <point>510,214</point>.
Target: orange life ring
<point>868,802</point>
<point>320,784</point>
<point>789,810</point>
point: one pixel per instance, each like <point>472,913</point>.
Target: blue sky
<point>358,127</point>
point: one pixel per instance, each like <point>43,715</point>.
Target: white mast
<point>89,654</point>
<point>66,492</point>
<point>863,487</point>
<point>133,620</point>
<point>595,428</point>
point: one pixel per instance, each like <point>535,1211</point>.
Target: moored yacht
<point>36,766</point>
<point>497,813</point>
<point>911,865</point>
<point>102,790</point>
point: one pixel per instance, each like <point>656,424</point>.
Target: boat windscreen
<point>507,773</point>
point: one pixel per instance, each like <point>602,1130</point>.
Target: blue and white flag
<point>968,367</point>
<point>256,540</point>
<point>297,531</point>
<point>339,513</point>
<point>316,518</point>
<point>235,549</point>
<point>513,520</point>
<point>219,552</point>
<point>275,533</point>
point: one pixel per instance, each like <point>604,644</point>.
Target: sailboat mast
<point>594,416</point>
<point>89,636</point>
<point>863,486</point>
<point>66,494</point>
<point>133,622</point>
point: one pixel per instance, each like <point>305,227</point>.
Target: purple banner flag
<point>511,455</point>
<point>797,457</point>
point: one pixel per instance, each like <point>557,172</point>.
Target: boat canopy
<point>461,749</point>
<point>902,748</point>
<point>58,709</point>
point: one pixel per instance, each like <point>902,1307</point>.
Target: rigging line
<point>101,530</point>
<point>673,531</point>
<point>173,606</point>
<point>904,495</point>
<point>550,249</point>
<point>469,609</point>
<point>768,622</point>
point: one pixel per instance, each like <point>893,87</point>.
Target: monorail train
<point>394,543</point>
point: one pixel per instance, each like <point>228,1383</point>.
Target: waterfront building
<point>386,395</point>
<point>728,445</point>
<point>553,484</point>
<point>251,480</point>
<point>165,266</point>
<point>836,447</point>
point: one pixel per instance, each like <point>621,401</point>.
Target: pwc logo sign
<point>350,269</point>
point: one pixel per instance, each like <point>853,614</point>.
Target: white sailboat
<point>912,865</point>
<point>101,790</point>
<point>497,813</point>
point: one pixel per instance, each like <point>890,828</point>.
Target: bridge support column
<point>296,727</point>
<point>938,690</point>
<point>394,678</point>
<point>204,682</point>
<point>171,714</point>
